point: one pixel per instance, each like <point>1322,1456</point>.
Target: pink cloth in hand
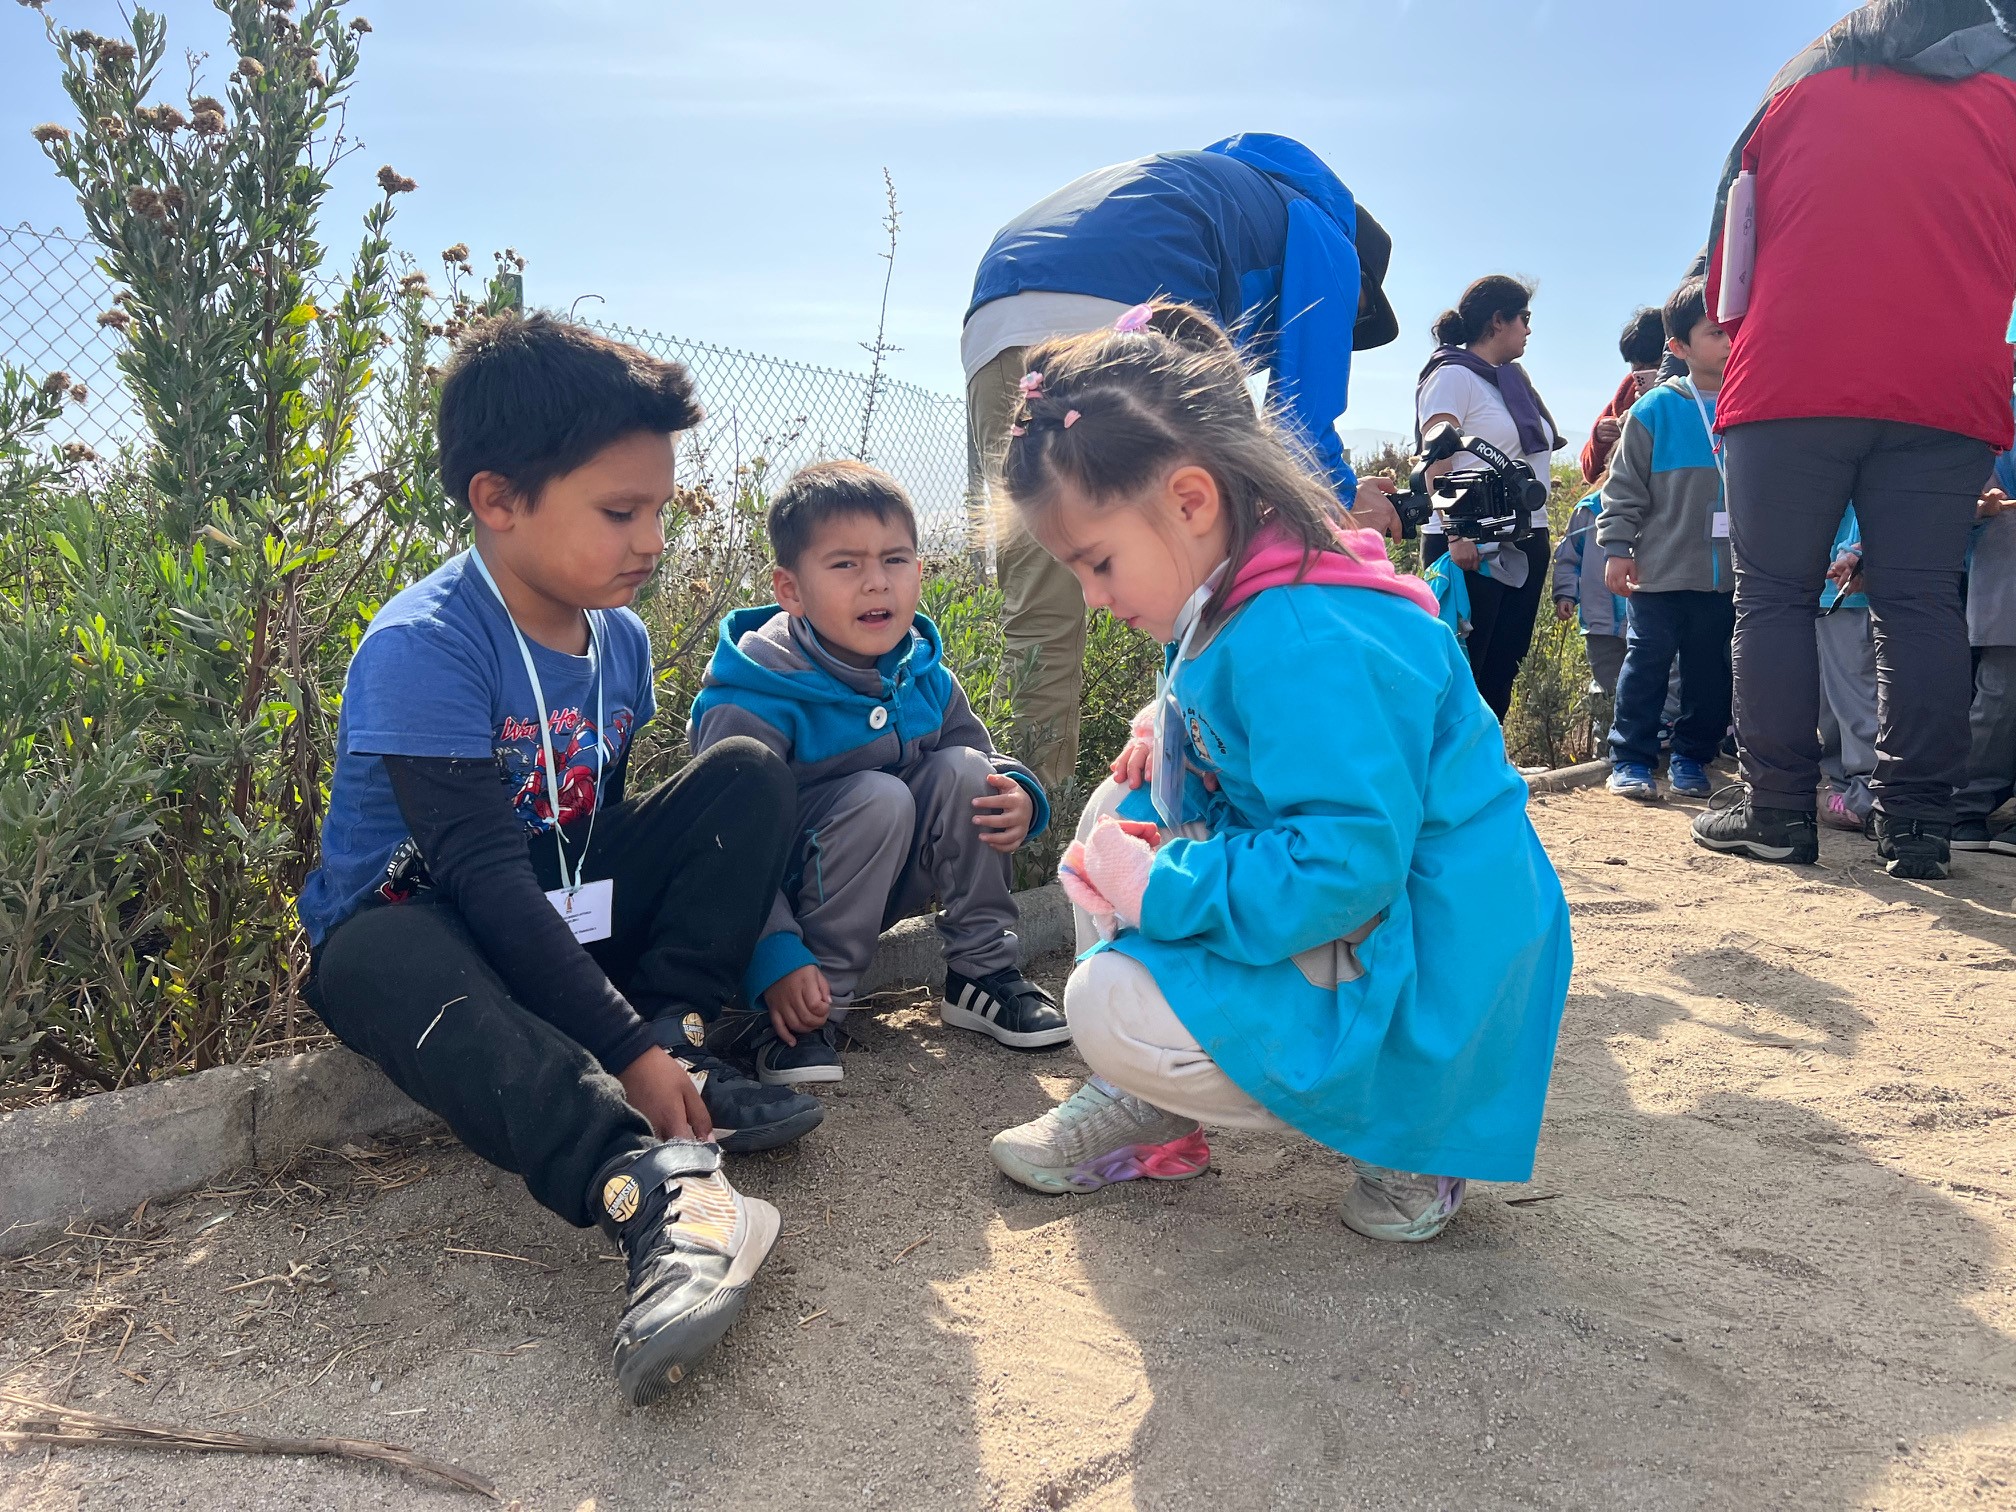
<point>1116,863</point>
<point>1078,886</point>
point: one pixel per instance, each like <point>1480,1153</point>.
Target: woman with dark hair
<point>1871,361</point>
<point>1474,381</point>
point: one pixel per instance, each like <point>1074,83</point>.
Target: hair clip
<point>1070,418</point>
<point>1135,319</point>
<point>1031,385</point>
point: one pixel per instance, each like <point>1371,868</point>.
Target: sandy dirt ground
<point>1768,1259</point>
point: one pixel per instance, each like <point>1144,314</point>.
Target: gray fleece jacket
<point>1663,498</point>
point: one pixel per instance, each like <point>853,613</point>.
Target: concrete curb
<point>1561,779</point>
<point>99,1157</point>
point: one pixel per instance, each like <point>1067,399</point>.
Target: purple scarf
<point>1537,431</point>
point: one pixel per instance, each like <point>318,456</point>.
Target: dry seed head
<point>359,24</point>
<point>394,182</point>
<point>118,320</point>
<point>316,76</point>
<point>144,201</point>
<point>459,253</point>
<point>202,103</point>
<point>112,52</point>
<point>55,383</point>
<point>281,5</point>
<point>79,393</point>
<point>112,128</point>
<point>171,197</point>
<point>165,118</point>
<point>88,40</point>
<point>414,283</point>
<point>76,451</point>
<point>208,123</point>
<point>49,133</point>
<point>251,68</point>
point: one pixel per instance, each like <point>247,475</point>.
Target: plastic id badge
<point>1720,527</point>
<point>1739,248</point>
<point>1165,781</point>
<point>589,909</point>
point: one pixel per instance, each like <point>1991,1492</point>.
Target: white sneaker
<point>1402,1207</point>
<point>1099,1135</point>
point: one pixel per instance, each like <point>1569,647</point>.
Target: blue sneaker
<point>1630,779</point>
<point>1688,778</point>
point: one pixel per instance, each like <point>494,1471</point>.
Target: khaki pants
<point>1043,610</point>
<point>1128,1033</point>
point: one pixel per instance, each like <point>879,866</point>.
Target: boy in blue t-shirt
<point>524,949</point>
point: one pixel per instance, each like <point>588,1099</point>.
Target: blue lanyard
<point>571,883</point>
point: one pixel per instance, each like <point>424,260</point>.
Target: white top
<point>1480,411</point>
<point>1025,319</point>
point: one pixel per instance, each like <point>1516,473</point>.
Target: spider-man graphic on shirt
<point>578,767</point>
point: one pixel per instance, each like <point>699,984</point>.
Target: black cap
<point>1377,324</point>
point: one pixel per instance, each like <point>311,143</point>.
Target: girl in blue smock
<point>1310,896</point>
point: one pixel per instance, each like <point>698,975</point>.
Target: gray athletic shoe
<point>1401,1207</point>
<point>1099,1135</point>
<point>694,1244</point>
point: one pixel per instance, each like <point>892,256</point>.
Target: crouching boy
<point>513,939</point>
<point>901,794</point>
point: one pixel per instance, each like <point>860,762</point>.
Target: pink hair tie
<point>1135,319</point>
<point>1018,430</point>
<point>1031,385</point>
<point>1070,418</point>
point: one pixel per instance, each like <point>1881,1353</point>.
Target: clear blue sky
<point>716,170</point>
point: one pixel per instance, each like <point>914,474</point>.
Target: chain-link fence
<point>786,413</point>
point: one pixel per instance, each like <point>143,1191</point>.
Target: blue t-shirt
<point>438,674</point>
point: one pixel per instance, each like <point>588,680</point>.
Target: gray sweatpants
<point>1848,705</point>
<point>1991,756</point>
<point>874,848</point>
<point>1914,490</point>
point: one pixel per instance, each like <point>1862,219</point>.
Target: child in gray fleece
<point>902,796</point>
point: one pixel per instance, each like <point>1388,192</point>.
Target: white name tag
<point>589,910</point>
<point>1720,528</point>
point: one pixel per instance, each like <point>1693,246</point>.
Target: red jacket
<point>1595,454</point>
<point>1886,254</point>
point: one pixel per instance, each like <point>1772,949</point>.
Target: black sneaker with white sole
<point>748,1116</point>
<point>1915,848</point>
<point>815,1058</point>
<point>694,1245</point>
<point>1970,835</point>
<point>1744,828</point>
<point>1006,1006</point>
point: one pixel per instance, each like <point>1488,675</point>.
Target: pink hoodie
<point>1276,561</point>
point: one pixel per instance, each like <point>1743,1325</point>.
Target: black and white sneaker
<point>748,1115</point>
<point>1005,1005</point>
<point>1763,834</point>
<point>746,1038</point>
<point>1917,848</point>
<point>694,1245</point>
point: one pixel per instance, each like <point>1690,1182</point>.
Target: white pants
<point>1128,1033</point>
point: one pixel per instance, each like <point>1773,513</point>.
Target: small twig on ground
<point>498,1255</point>
<point>907,1249</point>
<point>49,1423</point>
<point>815,1317</point>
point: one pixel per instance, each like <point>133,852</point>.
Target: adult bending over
<point>1256,231</point>
<point>1474,379</point>
<point>1871,364</point>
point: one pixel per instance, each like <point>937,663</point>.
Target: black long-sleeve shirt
<point>476,853</point>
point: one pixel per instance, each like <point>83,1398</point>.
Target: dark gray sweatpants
<point>1914,490</point>
<point>875,847</point>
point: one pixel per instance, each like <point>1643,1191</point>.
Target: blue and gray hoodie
<point>1663,494</point>
<point>1578,573</point>
<point>770,678</point>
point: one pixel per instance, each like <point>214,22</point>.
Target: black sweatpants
<point>1501,618</point>
<point>1914,490</point>
<point>696,863</point>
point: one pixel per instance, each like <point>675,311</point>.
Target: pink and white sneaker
<point>1835,813</point>
<point>1096,1136</point>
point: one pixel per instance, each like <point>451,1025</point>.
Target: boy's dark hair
<point>830,491</point>
<point>1686,307</point>
<point>531,397</point>
<point>1643,342</point>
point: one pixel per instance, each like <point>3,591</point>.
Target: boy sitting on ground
<point>1665,528</point>
<point>494,923</point>
<point>902,795</point>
